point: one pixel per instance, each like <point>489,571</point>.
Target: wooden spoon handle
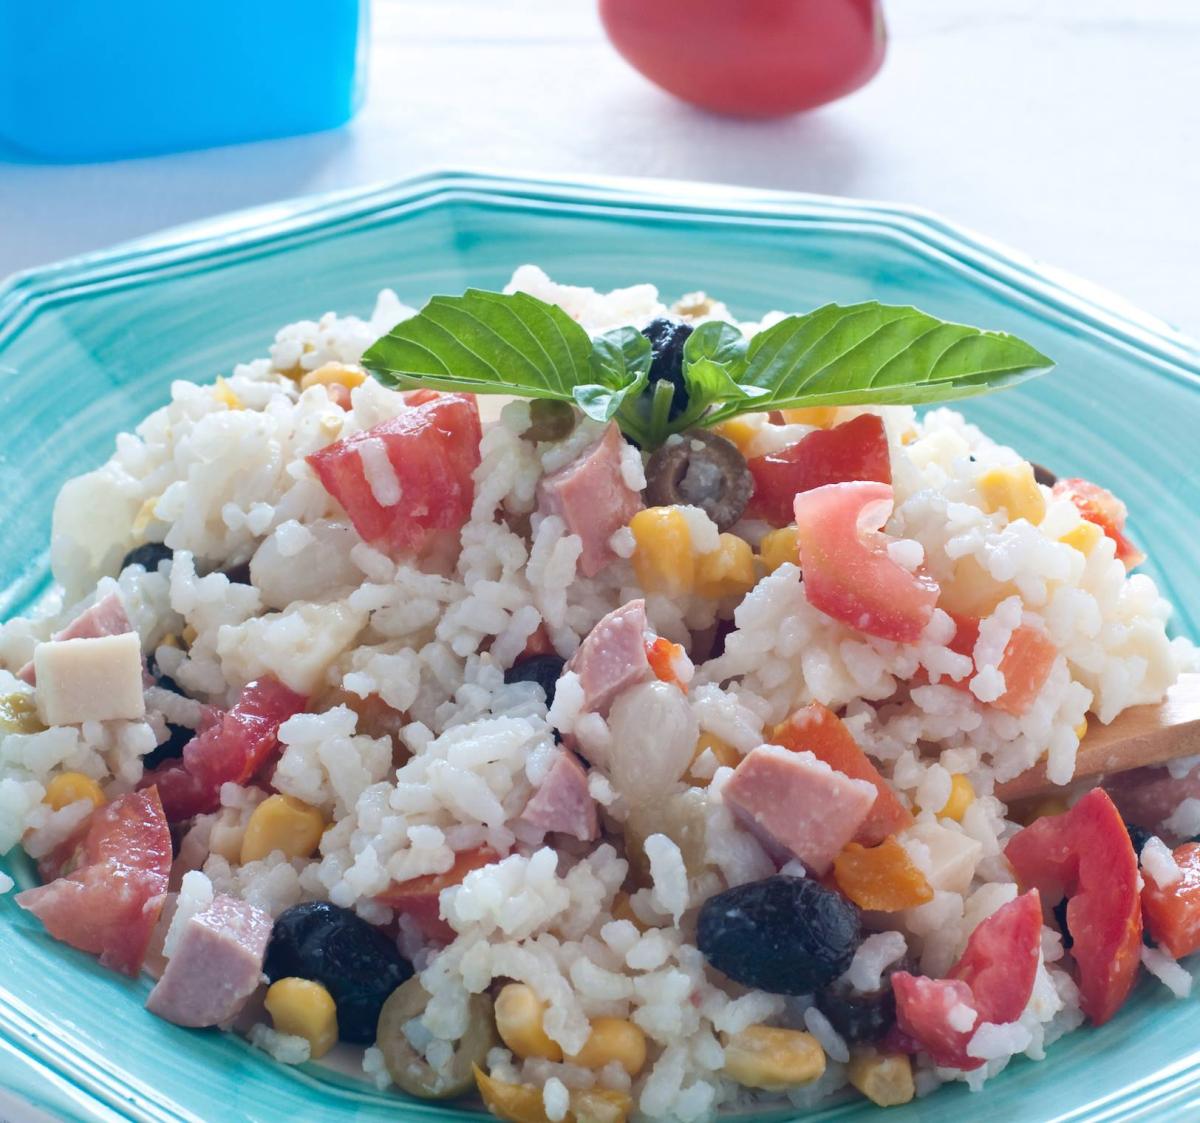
<point>1139,736</point>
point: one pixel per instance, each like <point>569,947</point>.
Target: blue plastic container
<point>103,79</point>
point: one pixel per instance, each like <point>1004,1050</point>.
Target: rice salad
<point>604,781</point>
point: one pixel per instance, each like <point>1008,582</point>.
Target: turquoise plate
<point>88,347</point>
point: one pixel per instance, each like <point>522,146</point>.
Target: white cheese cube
<point>953,855</point>
<point>89,679</point>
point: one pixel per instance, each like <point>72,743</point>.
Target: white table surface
<point>1069,129</point>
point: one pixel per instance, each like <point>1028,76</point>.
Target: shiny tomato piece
<point>1098,505</point>
<point>818,730</point>
<point>1025,664</point>
<point>108,905</point>
<point>236,746</point>
<point>750,58</point>
<point>847,571</point>
<point>1172,915</point>
<point>1086,854</point>
<point>855,450</point>
<point>417,898</point>
<point>432,448</point>
<point>994,976</point>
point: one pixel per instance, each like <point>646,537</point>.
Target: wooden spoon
<point>1139,736</point>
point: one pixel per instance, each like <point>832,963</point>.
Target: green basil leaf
<point>620,363</point>
<point>486,343</point>
<point>876,354</point>
<point>714,358</point>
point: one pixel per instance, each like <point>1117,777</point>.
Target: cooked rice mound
<point>220,476</point>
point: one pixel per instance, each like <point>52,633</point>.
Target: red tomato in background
<point>855,450</point>
<point>750,58</point>
<point>418,898</point>
<point>1173,914</point>
<point>1086,853</point>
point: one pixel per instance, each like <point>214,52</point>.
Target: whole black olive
<point>545,670</point>
<point>1138,836</point>
<point>172,748</point>
<point>147,555</point>
<point>335,947</point>
<point>701,469</point>
<point>786,935</point>
<point>1044,476</point>
<point>667,338</point>
<point>1060,918</point>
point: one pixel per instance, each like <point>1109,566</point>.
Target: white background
<point>1069,129</point>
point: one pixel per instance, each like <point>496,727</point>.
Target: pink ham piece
<point>216,966</point>
<point>107,617</point>
<point>797,805</point>
<point>562,803</point>
<point>612,657</point>
<point>591,496</point>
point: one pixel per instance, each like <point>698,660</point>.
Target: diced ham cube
<point>90,679</point>
<point>591,496</point>
<point>107,617</point>
<point>612,657</point>
<point>563,803</point>
<point>216,965</point>
<point>797,805</point>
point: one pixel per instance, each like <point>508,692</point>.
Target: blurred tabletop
<point>1069,130</point>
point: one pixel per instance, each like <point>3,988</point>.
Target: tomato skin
<point>433,449</point>
<point>1172,915</point>
<point>855,450</point>
<point>1098,505</point>
<point>750,58</point>
<point>417,898</point>
<point>1027,661</point>
<point>1086,852</point>
<point>848,573</point>
<point>818,730</point>
<point>994,976</point>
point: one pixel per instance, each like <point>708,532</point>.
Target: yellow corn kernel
<point>739,431</point>
<point>908,436</point>
<point>599,1105</point>
<point>519,1014</point>
<point>282,822</point>
<point>728,571</point>
<point>726,755</point>
<point>188,634</point>
<point>1081,730</point>
<point>145,515</point>
<point>224,393</point>
<point>820,416</point>
<point>773,1059</point>
<point>304,1008</point>
<point>886,1079</point>
<point>1015,490</point>
<point>18,713</point>
<point>777,547</point>
<point>663,559</point>
<point>1041,809</point>
<point>962,795</point>
<point>613,1039</point>
<point>331,374</point>
<point>1084,538</point>
<point>70,787</point>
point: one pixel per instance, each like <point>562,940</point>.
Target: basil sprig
<point>856,354</point>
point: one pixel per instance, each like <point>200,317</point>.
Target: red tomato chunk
<point>1086,854</point>
<point>108,905</point>
<point>236,747</point>
<point>1025,665</point>
<point>994,977</point>
<point>431,448</point>
<point>855,450</point>
<point>848,573</point>
<point>1098,505</point>
<point>1173,914</point>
